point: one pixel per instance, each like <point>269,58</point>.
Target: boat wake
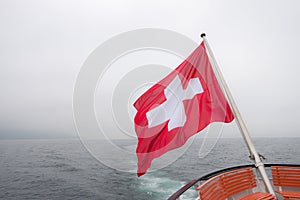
<point>155,187</point>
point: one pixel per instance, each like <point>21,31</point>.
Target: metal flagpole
<point>240,122</point>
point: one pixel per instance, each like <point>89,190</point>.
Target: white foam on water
<point>163,187</point>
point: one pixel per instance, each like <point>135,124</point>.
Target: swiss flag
<point>177,107</point>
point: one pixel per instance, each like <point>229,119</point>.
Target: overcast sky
<point>43,45</point>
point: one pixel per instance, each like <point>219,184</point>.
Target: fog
<point>45,43</point>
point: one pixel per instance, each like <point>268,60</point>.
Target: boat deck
<point>243,182</point>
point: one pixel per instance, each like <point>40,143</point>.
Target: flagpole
<point>239,120</point>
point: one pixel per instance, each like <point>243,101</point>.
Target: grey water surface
<point>63,169</point>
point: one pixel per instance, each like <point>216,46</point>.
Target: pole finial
<point>203,35</point>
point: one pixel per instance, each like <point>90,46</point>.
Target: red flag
<point>177,107</point>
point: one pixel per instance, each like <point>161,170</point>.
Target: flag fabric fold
<point>177,107</point>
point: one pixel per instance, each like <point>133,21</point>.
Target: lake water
<point>63,169</point>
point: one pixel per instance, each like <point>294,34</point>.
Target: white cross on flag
<point>177,107</point>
